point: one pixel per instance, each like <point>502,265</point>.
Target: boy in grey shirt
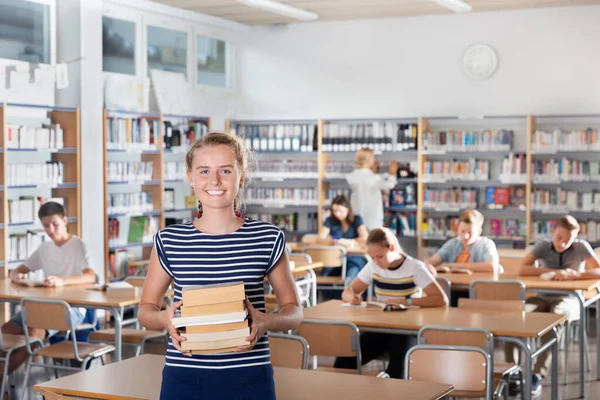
<point>64,260</point>
<point>569,258</point>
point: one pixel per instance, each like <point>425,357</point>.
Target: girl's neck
<point>218,221</point>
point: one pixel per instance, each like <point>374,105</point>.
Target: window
<point>167,50</point>
<point>25,31</point>
<point>118,46</point>
<point>212,62</point>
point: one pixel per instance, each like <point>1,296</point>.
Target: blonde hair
<point>568,222</point>
<point>472,217</point>
<point>364,158</point>
<point>384,237</point>
<point>240,153</point>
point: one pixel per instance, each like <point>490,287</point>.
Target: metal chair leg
<point>26,377</point>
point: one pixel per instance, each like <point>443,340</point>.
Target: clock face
<point>480,61</point>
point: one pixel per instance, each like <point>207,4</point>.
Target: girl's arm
<point>434,296</point>
<point>150,315</point>
<point>352,293</point>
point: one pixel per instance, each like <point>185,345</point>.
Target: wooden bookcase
<point>157,155</point>
<point>525,126</point>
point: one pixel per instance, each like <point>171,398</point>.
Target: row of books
<point>21,246</point>
<point>141,230</point>
<point>561,200</point>
<point>133,134</point>
<point>289,222</point>
<point>278,137</point>
<point>50,173</point>
<point>504,197</point>
<point>169,200</point>
<point>174,170</point>
<point>183,135</point>
<point>565,170</point>
<point>590,230</point>
<point>488,140</point>
<point>130,171</point>
<point>378,136</point>
<point>507,227</point>
<point>564,140</point>
<point>450,198</point>
<point>332,193</point>
<point>283,196</point>
<point>401,224</point>
<point>443,227</point>
<point>48,136</point>
<point>514,168</point>
<point>291,169</point>
<point>25,208</point>
<point>402,196</point>
<point>339,169</point>
<point>472,169</point>
<point>129,202</point>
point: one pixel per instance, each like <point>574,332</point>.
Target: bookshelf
<point>41,160</point>
<point>564,143</point>
<point>144,182</point>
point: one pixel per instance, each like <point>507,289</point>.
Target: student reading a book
<point>562,257</point>
<point>399,279</point>
<point>346,228</point>
<point>64,260</point>
<point>367,185</point>
<point>469,250</point>
<point>217,248</point>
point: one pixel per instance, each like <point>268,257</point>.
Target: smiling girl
<point>220,247</point>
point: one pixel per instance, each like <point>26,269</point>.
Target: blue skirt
<point>246,383</point>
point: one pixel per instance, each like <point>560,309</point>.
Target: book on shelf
<point>47,136</point>
<point>118,263</point>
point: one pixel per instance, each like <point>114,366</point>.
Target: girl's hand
<point>54,281</point>
<point>260,326</point>
<point>167,322</point>
<point>356,300</point>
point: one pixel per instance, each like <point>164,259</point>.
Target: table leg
<point>598,339</point>
<point>582,347</point>
<point>116,313</point>
<point>555,366</point>
<point>528,365</point>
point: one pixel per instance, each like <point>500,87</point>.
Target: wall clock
<point>480,61</point>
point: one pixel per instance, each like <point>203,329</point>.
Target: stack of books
<point>214,318</point>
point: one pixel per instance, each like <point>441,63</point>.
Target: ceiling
<point>331,10</point>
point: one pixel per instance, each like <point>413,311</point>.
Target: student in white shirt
<point>398,279</point>
<point>366,186</point>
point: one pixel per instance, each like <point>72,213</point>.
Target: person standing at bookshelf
<point>399,280</point>
<point>566,258</point>
<point>64,259</point>
<point>348,229</point>
<point>220,247</point>
<point>367,185</point>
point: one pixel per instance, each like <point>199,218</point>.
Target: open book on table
<point>377,306</point>
<point>447,270</point>
<point>30,283</point>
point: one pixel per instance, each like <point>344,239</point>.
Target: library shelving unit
<point>144,160</point>
<point>41,160</point>
<point>532,169</point>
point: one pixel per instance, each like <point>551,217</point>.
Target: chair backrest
<point>445,285</point>
<point>290,351</point>
<point>47,395</point>
<point>511,264</point>
<point>300,259</point>
<point>468,369</point>
<point>497,290</point>
<point>271,303</point>
<point>310,238</point>
<point>330,256</point>
<point>46,314</point>
<point>449,336</point>
<point>332,338</point>
<point>506,305</point>
<point>137,281</point>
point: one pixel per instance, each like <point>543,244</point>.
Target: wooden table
<point>76,296</point>
<point>586,291</point>
<point>140,378</point>
<point>513,326</point>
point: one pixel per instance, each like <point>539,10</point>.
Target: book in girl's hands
<point>202,295</point>
<point>214,319</point>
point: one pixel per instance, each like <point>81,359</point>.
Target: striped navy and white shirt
<point>191,258</point>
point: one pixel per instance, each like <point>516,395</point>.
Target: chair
<point>307,286</point>
<point>467,368</point>
<point>445,284</point>
<point>310,238</point>
<point>289,351</point>
<point>137,336</point>
<point>56,315</point>
<point>507,305</point>
<point>332,257</point>
<point>8,344</point>
<point>332,339</point>
<point>483,289</point>
<point>475,337</point>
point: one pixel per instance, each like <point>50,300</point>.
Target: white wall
<point>549,63</point>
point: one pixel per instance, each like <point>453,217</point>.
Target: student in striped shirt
<point>398,279</point>
<point>220,247</point>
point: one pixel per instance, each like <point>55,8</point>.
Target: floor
<point>569,391</point>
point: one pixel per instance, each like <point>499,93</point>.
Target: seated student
<point>468,250</point>
<point>64,260</point>
<point>399,279</point>
<point>347,229</point>
<point>569,258</point>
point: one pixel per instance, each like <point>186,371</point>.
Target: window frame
<point>129,15</point>
<point>51,34</point>
<point>230,66</point>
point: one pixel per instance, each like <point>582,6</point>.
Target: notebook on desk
<point>30,283</point>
